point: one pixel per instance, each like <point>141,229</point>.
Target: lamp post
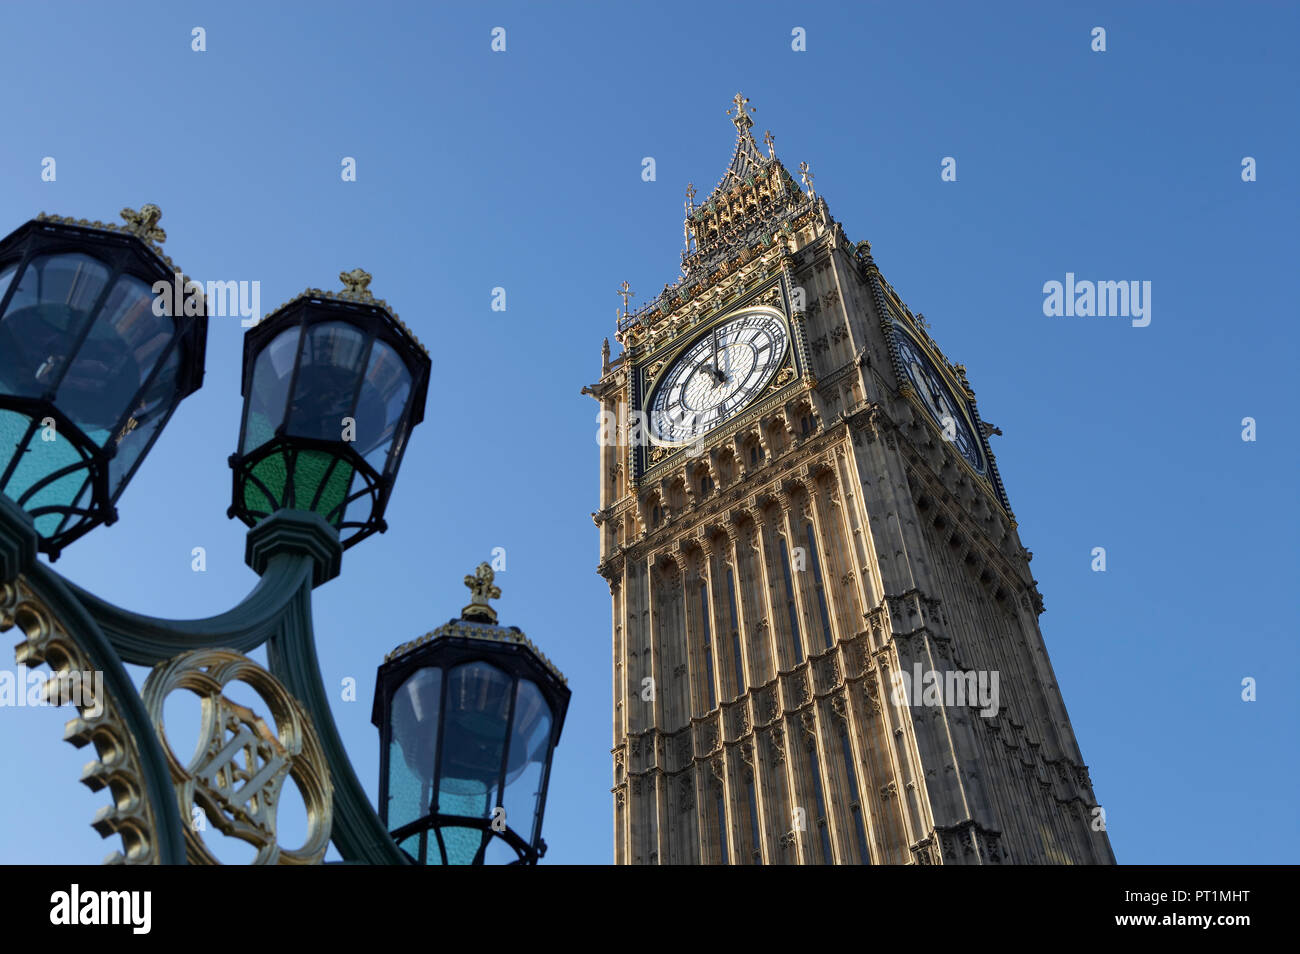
<point>468,717</point>
<point>92,365</point>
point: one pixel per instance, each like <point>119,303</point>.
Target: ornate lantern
<point>333,385</point>
<point>468,717</point>
<point>93,361</point>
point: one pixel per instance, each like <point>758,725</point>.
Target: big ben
<point>825,630</point>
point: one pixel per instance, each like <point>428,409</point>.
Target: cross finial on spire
<point>356,282</point>
<point>805,173</point>
<point>144,224</point>
<point>481,590</point>
<point>770,141</point>
<point>741,119</point>
<point>690,197</point>
<point>626,291</point>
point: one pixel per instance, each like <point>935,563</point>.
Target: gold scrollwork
<point>241,763</point>
<point>117,766</point>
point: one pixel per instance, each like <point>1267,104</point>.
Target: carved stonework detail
<point>926,852</point>
<point>809,725</point>
<point>778,745</point>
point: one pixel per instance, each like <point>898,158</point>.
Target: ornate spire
<point>770,141</point>
<point>481,590</point>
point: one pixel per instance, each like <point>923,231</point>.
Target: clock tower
<point>825,631</point>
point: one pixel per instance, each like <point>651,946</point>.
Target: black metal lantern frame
<point>284,452</point>
<point>121,252</point>
<point>506,649</point>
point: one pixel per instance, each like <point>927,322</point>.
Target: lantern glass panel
<point>331,364</point>
<point>7,274</point>
<point>412,748</point>
<point>530,738</point>
<point>269,389</point>
<point>115,359</point>
<point>151,410</point>
<point>477,714</point>
<point>45,317</point>
<point>381,403</point>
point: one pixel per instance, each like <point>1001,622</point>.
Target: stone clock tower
<point>826,643</point>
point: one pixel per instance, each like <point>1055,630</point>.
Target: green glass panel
<point>310,470</point>
<point>271,472</point>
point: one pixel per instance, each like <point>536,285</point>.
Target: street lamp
<point>92,365</point>
<point>333,384</point>
<point>468,717</point>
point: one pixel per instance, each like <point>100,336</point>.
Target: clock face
<point>930,386</point>
<point>717,376</point>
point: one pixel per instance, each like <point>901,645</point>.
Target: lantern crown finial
<point>144,224</point>
<point>356,283</point>
<point>481,590</point>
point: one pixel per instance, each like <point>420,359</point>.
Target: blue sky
<point>522,170</point>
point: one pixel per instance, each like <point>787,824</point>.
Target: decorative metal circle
<point>240,766</point>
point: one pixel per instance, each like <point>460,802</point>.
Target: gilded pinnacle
<point>144,224</point>
<point>356,282</point>
<point>481,590</point>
